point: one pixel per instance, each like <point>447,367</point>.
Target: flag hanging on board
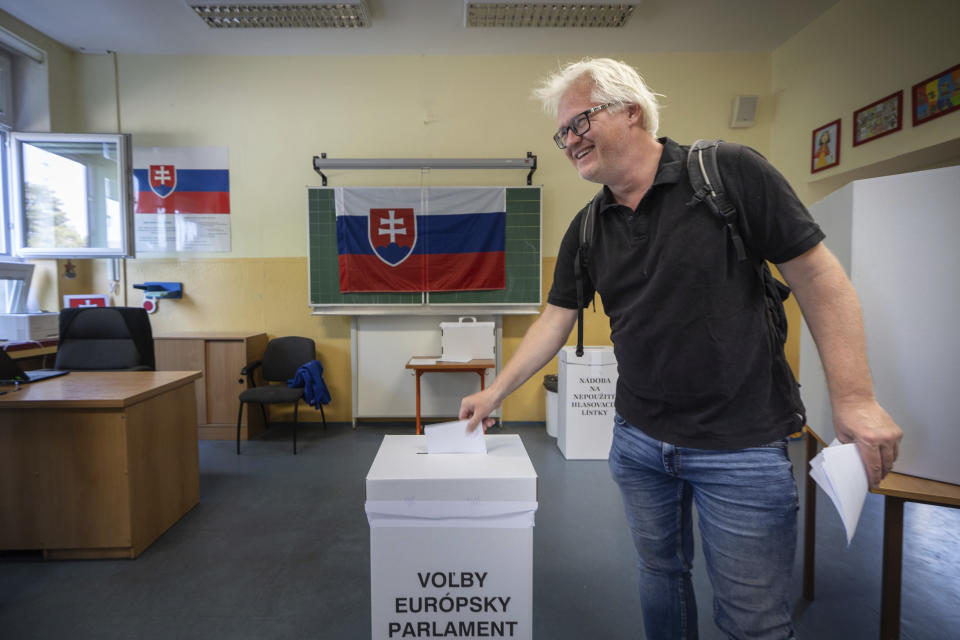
<point>413,239</point>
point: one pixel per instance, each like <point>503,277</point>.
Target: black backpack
<point>704,173</point>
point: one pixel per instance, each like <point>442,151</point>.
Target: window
<point>71,195</point>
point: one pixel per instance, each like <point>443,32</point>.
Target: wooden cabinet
<point>220,356</point>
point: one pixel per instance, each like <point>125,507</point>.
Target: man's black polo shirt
<point>698,366</point>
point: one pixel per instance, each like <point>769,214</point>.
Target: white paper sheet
<point>422,361</point>
<point>452,437</point>
<point>838,470</point>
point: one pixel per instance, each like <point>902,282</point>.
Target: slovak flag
<point>186,186</point>
<point>413,239</point>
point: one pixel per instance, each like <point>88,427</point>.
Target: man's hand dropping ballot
<point>453,437</point>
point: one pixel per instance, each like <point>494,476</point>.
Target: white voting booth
<point>451,540</point>
<point>586,387</point>
<point>896,238</point>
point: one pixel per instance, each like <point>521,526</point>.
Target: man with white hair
<point>705,398</point>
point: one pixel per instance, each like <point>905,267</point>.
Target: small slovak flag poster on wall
<point>182,199</point>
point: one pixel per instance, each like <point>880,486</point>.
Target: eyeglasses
<point>579,124</point>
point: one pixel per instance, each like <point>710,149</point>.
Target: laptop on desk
<point>11,373</point>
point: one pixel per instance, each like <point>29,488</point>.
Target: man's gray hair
<point>613,81</point>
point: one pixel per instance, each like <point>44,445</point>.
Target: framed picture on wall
<point>878,119</point>
<point>936,96</point>
<point>826,147</point>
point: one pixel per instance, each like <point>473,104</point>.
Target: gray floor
<point>278,548</point>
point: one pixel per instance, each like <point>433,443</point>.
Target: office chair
<point>105,339</point>
<point>281,359</point>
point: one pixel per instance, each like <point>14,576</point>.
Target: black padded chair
<point>105,339</point>
<point>281,359</point>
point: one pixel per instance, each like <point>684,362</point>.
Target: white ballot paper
<point>452,437</point>
<point>839,471</point>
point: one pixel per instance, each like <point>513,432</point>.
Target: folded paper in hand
<point>452,437</point>
<point>839,471</point>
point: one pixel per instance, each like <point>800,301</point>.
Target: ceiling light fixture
<point>230,14</point>
<point>583,13</point>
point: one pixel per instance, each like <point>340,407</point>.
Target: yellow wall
<point>275,113</point>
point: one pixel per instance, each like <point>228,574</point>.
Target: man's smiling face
<point>594,153</point>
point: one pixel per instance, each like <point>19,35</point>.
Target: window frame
<point>6,219</point>
<point>127,248</point>
<point>6,90</point>
<point>6,124</point>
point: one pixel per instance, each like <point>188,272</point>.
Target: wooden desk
<point>97,464</point>
<point>896,490</point>
<point>475,366</point>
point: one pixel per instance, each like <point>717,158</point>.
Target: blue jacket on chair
<point>310,377</point>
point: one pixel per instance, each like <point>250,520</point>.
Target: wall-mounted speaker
<point>744,111</point>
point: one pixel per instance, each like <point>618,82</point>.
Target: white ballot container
<point>586,387</point>
<point>467,340</point>
<point>451,540</point>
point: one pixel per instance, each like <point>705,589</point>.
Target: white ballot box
<point>463,341</point>
<point>451,540</point>
<point>586,387</point>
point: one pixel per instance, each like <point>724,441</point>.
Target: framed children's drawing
<point>825,152</point>
<point>936,96</point>
<point>878,119</point>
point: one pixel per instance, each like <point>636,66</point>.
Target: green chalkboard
<point>522,259</point>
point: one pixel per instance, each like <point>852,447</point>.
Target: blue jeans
<point>747,506</point>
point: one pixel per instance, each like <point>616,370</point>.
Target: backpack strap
<point>582,261</point>
<point>704,173</point>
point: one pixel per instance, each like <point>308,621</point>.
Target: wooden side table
<point>424,364</point>
<point>896,490</point>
